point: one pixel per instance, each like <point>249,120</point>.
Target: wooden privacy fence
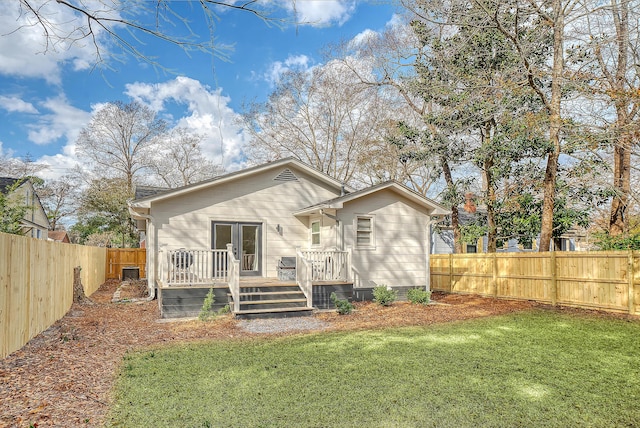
<point>119,258</point>
<point>598,280</point>
<point>36,284</point>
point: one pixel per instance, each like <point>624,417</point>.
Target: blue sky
<point>46,98</point>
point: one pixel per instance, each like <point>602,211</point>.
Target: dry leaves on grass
<point>63,377</point>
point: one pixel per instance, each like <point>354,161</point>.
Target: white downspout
<point>150,220</point>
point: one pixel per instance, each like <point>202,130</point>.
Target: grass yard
<point>535,368</point>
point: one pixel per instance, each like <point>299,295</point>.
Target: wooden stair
<point>271,299</point>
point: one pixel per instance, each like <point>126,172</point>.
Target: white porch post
<point>234,278</point>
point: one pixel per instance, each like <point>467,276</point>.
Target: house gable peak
<point>286,175</point>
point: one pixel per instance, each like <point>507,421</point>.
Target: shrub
<point>207,312</point>
<point>419,296</point>
<point>384,296</point>
<point>343,306</point>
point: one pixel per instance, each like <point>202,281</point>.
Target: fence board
<point>36,284</point>
<point>603,280</point>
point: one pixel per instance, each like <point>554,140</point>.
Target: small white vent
<point>286,175</point>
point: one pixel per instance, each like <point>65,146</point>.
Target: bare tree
<point>179,161</point>
<point>323,117</point>
<point>128,24</point>
<point>59,199</point>
<point>19,168</point>
<point>119,140</point>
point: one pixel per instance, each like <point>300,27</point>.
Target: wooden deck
<point>259,297</point>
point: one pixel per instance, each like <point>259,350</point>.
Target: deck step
<point>271,302</point>
<point>269,284</point>
<point>269,293</point>
<point>271,299</point>
<point>274,313</point>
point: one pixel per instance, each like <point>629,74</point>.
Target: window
<point>315,233</point>
<point>472,248</point>
<point>364,231</point>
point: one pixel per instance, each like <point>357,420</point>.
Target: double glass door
<point>246,241</point>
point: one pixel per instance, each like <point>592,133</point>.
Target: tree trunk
<point>618,222</point>
<point>78,289</point>
<point>555,125</point>
<point>492,232</point>
<point>490,192</point>
<point>455,222</point>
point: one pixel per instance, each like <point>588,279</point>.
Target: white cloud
<point>63,120</point>
<point>208,114</point>
<point>278,68</point>
<point>364,37</point>
<point>26,52</point>
<point>8,152</point>
<point>321,13</point>
<point>15,104</point>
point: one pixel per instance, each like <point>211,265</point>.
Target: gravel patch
<point>280,325</point>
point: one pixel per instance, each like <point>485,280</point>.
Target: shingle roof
<point>6,182</point>
<point>145,191</point>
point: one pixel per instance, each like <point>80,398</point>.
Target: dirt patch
<point>132,290</point>
<point>64,376</point>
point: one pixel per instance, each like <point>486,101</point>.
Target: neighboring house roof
<point>145,201</point>
<point>337,203</point>
<point>59,236</point>
<point>6,183</point>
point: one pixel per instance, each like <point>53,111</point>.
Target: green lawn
<point>538,368</point>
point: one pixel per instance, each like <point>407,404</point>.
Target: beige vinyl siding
<point>185,221</point>
<point>328,233</point>
<point>399,254</point>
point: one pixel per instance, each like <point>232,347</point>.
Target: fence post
<point>554,281</point>
<point>631,274</point>
<point>494,269</point>
<point>450,272</point>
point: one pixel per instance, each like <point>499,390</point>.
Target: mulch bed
<point>64,376</point>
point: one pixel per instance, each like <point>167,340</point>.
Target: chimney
<point>469,204</point>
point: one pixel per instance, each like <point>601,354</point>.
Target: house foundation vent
<point>286,175</point>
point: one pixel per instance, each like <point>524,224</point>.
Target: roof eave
<point>240,174</point>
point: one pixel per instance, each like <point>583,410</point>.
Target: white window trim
<point>319,233</point>
<point>372,244</point>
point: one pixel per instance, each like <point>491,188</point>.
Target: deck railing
<point>328,265</point>
<point>194,267</point>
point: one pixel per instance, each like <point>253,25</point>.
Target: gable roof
<point>337,203</point>
<point>145,201</point>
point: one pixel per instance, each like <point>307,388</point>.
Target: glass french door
<point>246,241</point>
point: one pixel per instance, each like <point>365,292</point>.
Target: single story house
<point>20,191</point>
<point>279,238</point>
